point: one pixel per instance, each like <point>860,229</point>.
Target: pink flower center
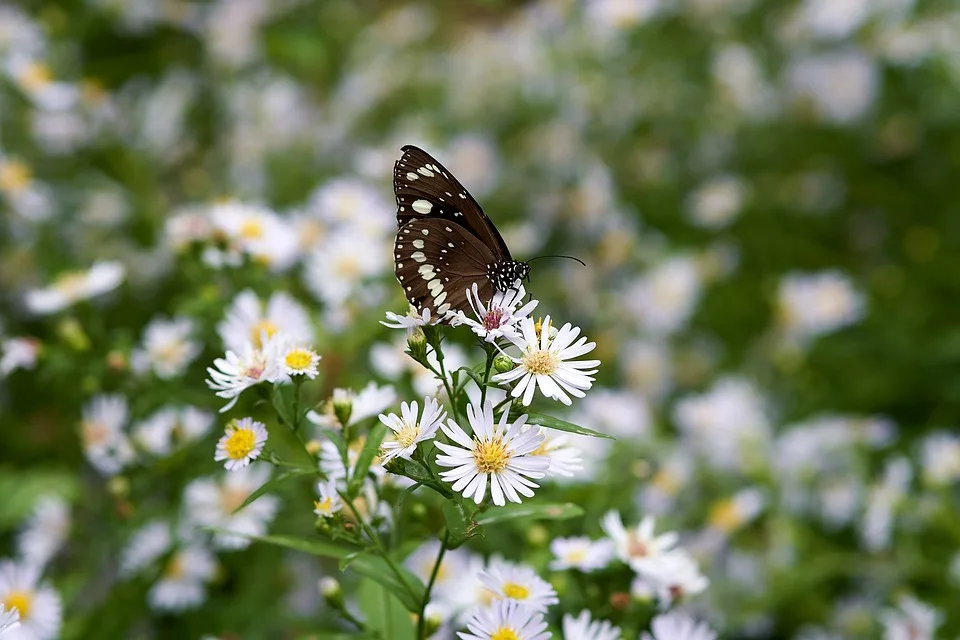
<point>493,318</point>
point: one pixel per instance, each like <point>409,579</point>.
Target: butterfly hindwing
<point>425,189</point>
<point>437,261</point>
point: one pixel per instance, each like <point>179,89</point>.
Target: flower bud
<point>331,592</point>
<point>314,446</point>
<point>71,332</point>
<point>417,344</point>
<point>434,619</point>
<point>537,535</point>
<point>342,405</point>
<point>503,364</point>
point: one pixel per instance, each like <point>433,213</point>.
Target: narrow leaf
<point>370,451</point>
<point>416,472</point>
<point>409,591</point>
<point>559,511</point>
<point>313,547</point>
<point>272,483</point>
<point>460,523</point>
<point>562,425</point>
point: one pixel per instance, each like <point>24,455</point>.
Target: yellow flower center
<point>14,176</point>
<point>408,435</point>
<point>175,568</point>
<point>576,556</point>
<point>504,633</point>
<point>232,498</point>
<point>264,326</point>
<point>240,443</point>
<point>71,284</point>
<point>94,433</point>
<point>516,591</point>
<point>725,515</point>
<point>324,506</point>
<point>636,548</point>
<point>347,266</point>
<point>21,600</point>
<point>543,449</point>
<point>36,75</point>
<point>540,362</point>
<point>666,482</point>
<point>490,456</point>
<point>298,359</point>
<point>251,229</point>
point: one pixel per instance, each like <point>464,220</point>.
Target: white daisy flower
<point>170,426</point>
<point>241,443</point>
<point>258,232</point>
<point>546,362</point>
<point>247,320</point>
<point>506,620</point>
<point>334,271</point>
<point>411,321</point>
<point>9,619</point>
<point>45,531</point>
<point>581,553</point>
<point>74,286</point>
<point>637,545</point>
<point>105,444</point>
<point>18,353</point>
<point>814,304</point>
<point>35,79</point>
<point>166,348</point>
<point>329,502</point>
<point>211,502</point>
<point>371,400</point>
<point>583,627</point>
<point>564,459</point>
<point>146,545</point>
<point>911,620</point>
<point>671,576</point>
<point>39,605</point>
<point>183,583</point>
<point>678,626</point>
<point>520,583</point>
<point>497,317</point>
<point>411,429</point>
<point>236,373</point>
<point>497,451</point>
<point>297,360</point>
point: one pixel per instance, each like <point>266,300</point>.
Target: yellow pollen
<point>35,75</point>
<point>240,443</point>
<point>14,176</point>
<point>298,359</point>
<point>576,556</point>
<point>540,362</point>
<point>725,515</point>
<point>251,229</point>
<point>175,568</point>
<point>408,435</point>
<point>543,449</point>
<point>490,456</point>
<point>505,633</point>
<point>264,326</point>
<point>71,283</point>
<point>666,482</point>
<point>516,591</point>
<point>323,506</point>
<point>22,600</point>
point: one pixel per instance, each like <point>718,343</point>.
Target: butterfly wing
<point>425,189</point>
<point>437,261</point>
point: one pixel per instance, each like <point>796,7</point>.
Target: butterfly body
<point>445,242</point>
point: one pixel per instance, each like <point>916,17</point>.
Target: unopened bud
<point>72,333</point>
<point>331,592</point>
<point>537,535</point>
<point>342,405</point>
<point>119,486</point>
<point>314,446</point>
<point>417,344</point>
<point>503,364</point>
<point>433,619</point>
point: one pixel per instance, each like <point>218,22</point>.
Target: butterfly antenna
<point>567,257</point>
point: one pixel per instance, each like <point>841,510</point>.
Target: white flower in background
<point>105,444</point>
<point>658,496</point>
<point>331,462</point>
<point>581,553</point>
<point>727,424</point>
<point>211,502</point>
<point>672,576</point>
<point>235,373</point>
<point>35,79</point>
<point>583,627</point>
<point>638,546</point>
<point>742,82</point>
<point>18,353</point>
<point>885,497</point>
<point>498,317</point>
<point>833,19</point>
<point>329,502</point>
<point>258,232</point>
<point>664,298</point>
<point>166,348</point>
<point>520,583</point>
<point>410,428</point>
<point>45,531</point>
<point>676,625</point>
<point>39,605</point>
<point>454,565</point>
<point>183,582</point>
<point>412,320</point>
<point>623,414</point>
<point>547,362</point>
<point>241,443</point>
<point>564,458</point>
<point>506,619</point>
<point>19,34</point>
<point>940,458</point>
<point>9,619</point>
<point>29,198</point>
<point>910,620</point>
<point>248,320</point>
<point>609,17</point>
<point>187,225</point>
<point>334,271</point>
<point>647,367</point>
<point>371,400</point>
<point>841,86</point>
<point>814,304</point>
<point>74,286</point>
<point>146,546</point>
<point>716,203</point>
<point>728,515</point>
<point>169,426</point>
<point>347,202</point>
<point>499,452</point>
<point>297,359</point>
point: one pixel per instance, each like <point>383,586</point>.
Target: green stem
<point>421,620</point>
<point>486,373</point>
<point>297,382</point>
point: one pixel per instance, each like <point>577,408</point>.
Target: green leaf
<point>313,547</point>
<point>562,425</point>
<point>416,472</point>
<point>460,523</point>
<point>559,511</point>
<point>370,450</point>
<point>282,401</point>
<point>22,488</point>
<point>272,483</point>
<point>383,614</point>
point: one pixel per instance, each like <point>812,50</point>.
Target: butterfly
<point>445,242</point>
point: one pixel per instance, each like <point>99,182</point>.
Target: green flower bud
<point>72,333</point>
<point>503,364</point>
<point>342,402</point>
<point>417,344</point>
<point>331,591</point>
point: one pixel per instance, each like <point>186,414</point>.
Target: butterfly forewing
<point>425,189</point>
<point>437,261</point>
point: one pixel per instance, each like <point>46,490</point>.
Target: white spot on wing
<point>425,232</point>
<point>422,206</point>
<point>419,256</point>
<point>425,172</point>
<point>411,176</point>
<point>418,244</point>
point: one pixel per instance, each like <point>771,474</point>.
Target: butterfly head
<point>505,275</point>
